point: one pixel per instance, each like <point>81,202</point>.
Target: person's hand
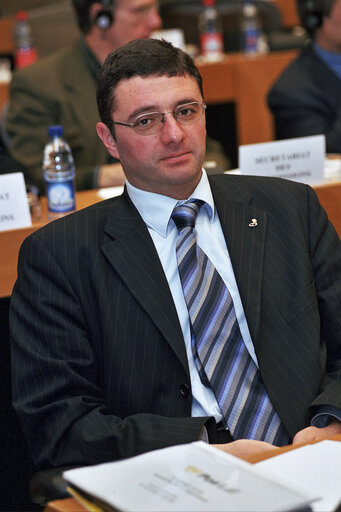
<point>315,434</point>
<point>111,175</point>
<point>245,447</point>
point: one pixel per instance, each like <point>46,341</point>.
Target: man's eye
<point>186,112</point>
<point>141,11</point>
<point>146,121</point>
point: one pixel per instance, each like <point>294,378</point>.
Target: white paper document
<point>187,478</point>
<point>315,468</point>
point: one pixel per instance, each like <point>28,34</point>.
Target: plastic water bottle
<point>210,32</point>
<point>253,39</point>
<point>25,53</point>
<point>59,174</point>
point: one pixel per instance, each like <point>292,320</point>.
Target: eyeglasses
<point>147,124</point>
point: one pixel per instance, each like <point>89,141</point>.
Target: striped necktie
<point>219,352</point>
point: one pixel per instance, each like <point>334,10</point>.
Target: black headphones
<point>105,17</point>
<point>312,12</point>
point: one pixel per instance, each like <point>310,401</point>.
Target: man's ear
<point>108,140</point>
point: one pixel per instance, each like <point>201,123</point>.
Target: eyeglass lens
<point>184,114</point>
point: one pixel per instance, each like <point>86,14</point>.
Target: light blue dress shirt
<point>156,212</point>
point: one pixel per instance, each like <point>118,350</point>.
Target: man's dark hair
<point>82,8</point>
<point>141,57</point>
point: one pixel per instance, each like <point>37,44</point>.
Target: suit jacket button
<point>184,390</point>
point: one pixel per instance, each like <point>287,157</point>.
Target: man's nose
<point>171,129</point>
<point>154,19</point>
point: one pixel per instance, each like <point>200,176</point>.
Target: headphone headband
<point>105,17</point>
<point>312,12</point>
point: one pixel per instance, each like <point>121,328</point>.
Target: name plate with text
<point>14,208</point>
<point>300,159</point>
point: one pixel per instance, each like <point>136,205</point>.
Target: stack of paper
<point>187,478</point>
<point>315,468</point>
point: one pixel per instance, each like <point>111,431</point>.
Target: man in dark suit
<point>306,98</point>
<point>104,364</point>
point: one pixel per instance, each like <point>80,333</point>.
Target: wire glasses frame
<point>151,122</point>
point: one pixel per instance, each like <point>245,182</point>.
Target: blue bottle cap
<point>55,131</point>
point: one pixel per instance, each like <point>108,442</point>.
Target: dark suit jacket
<point>99,362</point>
<point>306,100</point>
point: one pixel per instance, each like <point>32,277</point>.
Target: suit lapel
<point>244,228</point>
<point>131,252</point>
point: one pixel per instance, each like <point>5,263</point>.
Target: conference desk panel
<point>10,241</point>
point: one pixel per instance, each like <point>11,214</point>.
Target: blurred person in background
<point>61,89</point>
<point>306,99</point>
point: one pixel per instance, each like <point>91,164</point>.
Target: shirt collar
<point>156,209</point>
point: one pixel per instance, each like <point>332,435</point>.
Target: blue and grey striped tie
<point>221,357</point>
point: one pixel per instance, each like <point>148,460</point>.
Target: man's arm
<point>59,389</point>
<point>325,253</point>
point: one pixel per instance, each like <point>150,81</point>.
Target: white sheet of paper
<point>300,159</point>
<point>108,192</point>
<point>187,478</point>
<point>315,468</point>
<point>14,208</point>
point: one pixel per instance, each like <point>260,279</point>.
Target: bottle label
<point>211,43</point>
<point>60,196</point>
<point>251,40</point>
<point>24,57</point>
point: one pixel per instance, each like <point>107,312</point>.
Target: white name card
<point>300,159</point>
<point>14,208</point>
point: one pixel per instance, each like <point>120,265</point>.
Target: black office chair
<point>16,466</point>
<point>48,485</point>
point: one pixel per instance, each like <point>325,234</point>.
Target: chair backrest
<point>4,138</point>
<point>16,466</point>
<point>184,14</point>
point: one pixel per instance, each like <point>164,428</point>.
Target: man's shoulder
<point>91,220</point>
<point>266,191</point>
<point>50,67</point>
<point>306,69</point>
<point>253,182</point>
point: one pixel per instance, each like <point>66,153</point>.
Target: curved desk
<point>10,241</point>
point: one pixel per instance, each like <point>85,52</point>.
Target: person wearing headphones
<point>61,89</point>
<point>306,99</point>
